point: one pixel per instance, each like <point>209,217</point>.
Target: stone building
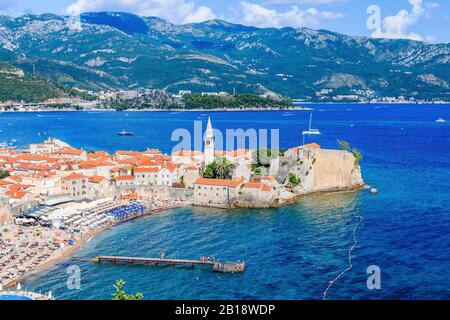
<point>99,187</point>
<point>76,186</point>
<point>216,192</point>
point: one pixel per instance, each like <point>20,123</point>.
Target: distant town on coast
<point>184,100</point>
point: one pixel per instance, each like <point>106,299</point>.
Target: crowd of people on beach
<point>23,249</point>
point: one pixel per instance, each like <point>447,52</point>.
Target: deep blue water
<point>291,252</point>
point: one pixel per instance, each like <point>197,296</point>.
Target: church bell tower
<point>209,144</point>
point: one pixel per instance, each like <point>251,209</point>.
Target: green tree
<point>199,101</point>
<point>221,169</point>
<point>121,295</point>
<point>358,156</point>
<point>344,145</point>
<point>224,169</point>
<point>209,172</point>
<point>294,180</point>
<point>3,174</point>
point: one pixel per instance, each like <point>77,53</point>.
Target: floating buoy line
<point>350,265</point>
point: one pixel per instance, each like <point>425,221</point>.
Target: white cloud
<point>176,11</point>
<point>315,2</point>
<point>260,16</point>
<point>396,27</point>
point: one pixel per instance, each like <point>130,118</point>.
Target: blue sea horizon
<point>291,252</point>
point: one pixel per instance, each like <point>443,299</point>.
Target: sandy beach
<point>62,253</point>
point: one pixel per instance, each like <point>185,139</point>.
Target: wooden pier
<point>227,267</point>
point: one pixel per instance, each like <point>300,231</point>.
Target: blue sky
<point>427,20</point>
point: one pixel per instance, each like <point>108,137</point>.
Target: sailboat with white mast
<point>311,131</point>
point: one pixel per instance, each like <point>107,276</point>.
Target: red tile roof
<point>75,176</point>
<point>123,178</point>
<point>96,179</point>
<point>259,186</point>
<point>128,153</point>
<point>16,194</point>
<point>5,183</point>
<point>236,182</point>
<point>187,153</point>
<point>220,152</point>
<point>18,187</point>
<point>240,152</point>
<point>219,182</point>
<point>213,182</point>
<point>253,185</point>
<point>69,151</point>
<point>144,170</point>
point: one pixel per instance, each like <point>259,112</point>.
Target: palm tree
<point>224,169</point>
<point>219,170</point>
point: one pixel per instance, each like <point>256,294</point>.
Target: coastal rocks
<point>287,196</point>
<point>299,190</point>
<point>257,198</point>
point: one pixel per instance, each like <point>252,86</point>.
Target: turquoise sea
<point>291,252</point>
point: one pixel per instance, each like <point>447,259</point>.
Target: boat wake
<point>350,265</point>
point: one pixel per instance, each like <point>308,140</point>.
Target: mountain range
<point>112,51</point>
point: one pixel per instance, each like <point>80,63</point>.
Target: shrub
<point>294,180</point>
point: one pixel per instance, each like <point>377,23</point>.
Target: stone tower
<point>209,144</point>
